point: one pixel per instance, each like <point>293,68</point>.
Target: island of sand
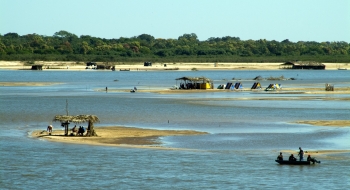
<point>118,136</point>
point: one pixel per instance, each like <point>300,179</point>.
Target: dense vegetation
<point>65,46</point>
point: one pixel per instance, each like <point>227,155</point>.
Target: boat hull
<point>287,162</point>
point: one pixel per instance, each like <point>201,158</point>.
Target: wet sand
<point>118,136</point>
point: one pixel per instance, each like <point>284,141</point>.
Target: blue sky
<point>296,20</point>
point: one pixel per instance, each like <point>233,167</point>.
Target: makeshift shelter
<point>329,87</point>
<point>256,85</point>
<point>303,65</point>
<point>237,86</point>
<point>66,119</point>
<point>222,86</point>
<point>272,87</point>
<point>228,85</point>
<point>37,67</point>
<point>91,64</point>
<point>195,83</point>
<point>147,63</point>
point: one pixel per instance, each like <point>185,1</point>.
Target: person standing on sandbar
<point>49,129</point>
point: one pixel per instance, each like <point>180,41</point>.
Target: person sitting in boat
<point>313,160</point>
<point>292,158</point>
<point>280,157</point>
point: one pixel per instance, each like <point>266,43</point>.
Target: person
<point>74,130</point>
<point>313,160</point>
<point>106,89</point>
<point>49,129</point>
<point>301,154</point>
<point>280,157</point>
<point>82,130</point>
<point>292,158</point>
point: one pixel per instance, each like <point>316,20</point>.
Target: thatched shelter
<point>66,119</point>
<point>195,83</point>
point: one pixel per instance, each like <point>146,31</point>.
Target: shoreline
<point>73,66</point>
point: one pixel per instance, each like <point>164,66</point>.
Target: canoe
<point>287,162</point>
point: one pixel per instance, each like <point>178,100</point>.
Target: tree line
<point>65,46</point>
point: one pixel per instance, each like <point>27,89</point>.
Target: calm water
<point>244,136</point>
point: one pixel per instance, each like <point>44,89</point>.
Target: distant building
<point>303,65</point>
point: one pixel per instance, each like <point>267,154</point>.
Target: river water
<point>246,130</point>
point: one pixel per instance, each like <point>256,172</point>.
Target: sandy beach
<point>61,65</point>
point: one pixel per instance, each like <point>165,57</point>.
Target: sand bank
<point>118,136</point>
<point>66,65</point>
<point>330,123</point>
<point>341,90</point>
<point>28,83</point>
<point>314,153</point>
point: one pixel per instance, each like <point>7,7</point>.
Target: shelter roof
<point>195,79</point>
<point>76,118</point>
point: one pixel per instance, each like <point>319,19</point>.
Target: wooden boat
<point>287,162</point>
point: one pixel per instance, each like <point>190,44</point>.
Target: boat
<point>342,69</point>
<point>287,162</point>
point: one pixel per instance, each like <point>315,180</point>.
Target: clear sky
<point>296,20</point>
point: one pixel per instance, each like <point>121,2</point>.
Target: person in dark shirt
<point>313,160</point>
<point>280,157</point>
<point>301,154</point>
<point>292,158</point>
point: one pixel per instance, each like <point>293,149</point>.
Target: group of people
<point>301,157</point>
<point>78,132</point>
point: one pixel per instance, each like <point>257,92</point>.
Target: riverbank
<point>62,65</point>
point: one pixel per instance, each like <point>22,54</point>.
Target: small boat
<point>342,69</point>
<point>287,162</point>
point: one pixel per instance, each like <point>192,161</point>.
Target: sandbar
<point>118,136</point>
<point>329,123</point>
<point>28,83</point>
